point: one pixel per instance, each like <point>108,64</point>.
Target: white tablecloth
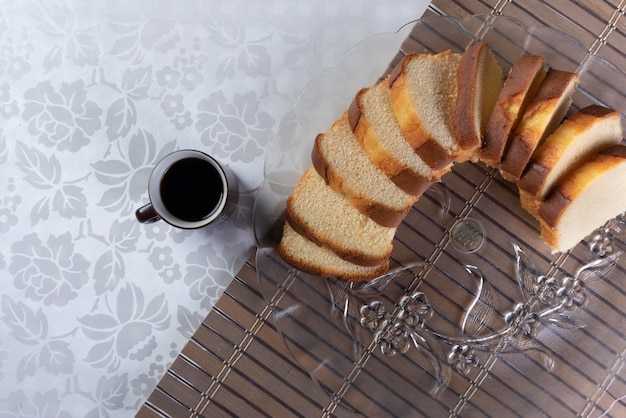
<point>94,307</point>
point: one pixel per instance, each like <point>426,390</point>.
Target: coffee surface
<point>191,189</point>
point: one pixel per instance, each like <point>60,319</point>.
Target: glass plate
<point>476,317</point>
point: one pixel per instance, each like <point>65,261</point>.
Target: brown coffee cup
<point>189,189</point>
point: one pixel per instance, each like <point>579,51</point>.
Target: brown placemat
<point>236,363</point>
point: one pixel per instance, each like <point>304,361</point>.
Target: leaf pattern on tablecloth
<point>45,173</point>
<point>157,34</point>
<point>40,404</point>
<point>57,21</point>
<point>109,396</point>
<point>125,329</point>
<point>9,205</point>
<point>91,97</point>
<point>8,104</point>
<point>110,267</point>
<point>27,327</point>
<point>31,328</point>
<point>129,173</point>
<point>188,321</point>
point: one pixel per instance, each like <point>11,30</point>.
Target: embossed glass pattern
<point>504,329</point>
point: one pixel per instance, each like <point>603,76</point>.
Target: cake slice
<point>585,133</point>
<point>520,87</point>
<point>342,162</point>
<point>375,126</point>
<point>423,96</point>
<point>305,255</point>
<point>479,80</point>
<point>543,114</point>
<point>585,199</point>
<point>327,218</point>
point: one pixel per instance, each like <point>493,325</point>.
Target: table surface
<point>95,307</point>
<point>101,316</point>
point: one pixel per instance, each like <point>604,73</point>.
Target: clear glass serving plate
<point>476,316</point>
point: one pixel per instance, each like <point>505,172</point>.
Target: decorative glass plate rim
<point>518,319</point>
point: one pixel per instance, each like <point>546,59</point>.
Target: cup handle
<point>146,214</point>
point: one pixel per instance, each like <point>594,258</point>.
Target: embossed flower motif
<point>50,272</point>
<point>8,106</point>
<point>182,121</point>
<point>522,321</point>
<point>237,130</point>
<point>157,368</point>
<point>156,231</point>
<point>160,231</point>
<point>143,385</point>
<point>168,77</point>
<point>172,104</point>
<point>547,290</point>
<point>415,309</point>
<point>62,118</point>
<point>393,334</point>
<point>161,257</point>
<point>573,293</point>
<point>373,314</point>
<point>462,358</point>
<point>171,274</point>
<point>602,243</point>
<point>17,66</point>
<point>178,235</point>
<point>7,219</point>
<point>191,78</point>
<point>393,339</point>
<point>8,110</point>
<point>162,260</point>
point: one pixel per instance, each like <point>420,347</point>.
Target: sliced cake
<point>375,126</point>
<point>305,255</point>
<point>402,134</point>
<point>327,218</point>
<point>423,96</point>
<point>542,116</point>
<point>585,199</point>
<point>520,87</point>
<point>345,166</point>
<point>479,80</point>
<point>585,133</point>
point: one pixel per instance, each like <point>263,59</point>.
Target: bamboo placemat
<point>236,363</point>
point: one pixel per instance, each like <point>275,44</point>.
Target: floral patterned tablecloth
<point>94,306</point>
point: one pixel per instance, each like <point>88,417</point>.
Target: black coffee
<point>191,189</point>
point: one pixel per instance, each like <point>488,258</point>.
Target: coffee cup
<point>189,189</point>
